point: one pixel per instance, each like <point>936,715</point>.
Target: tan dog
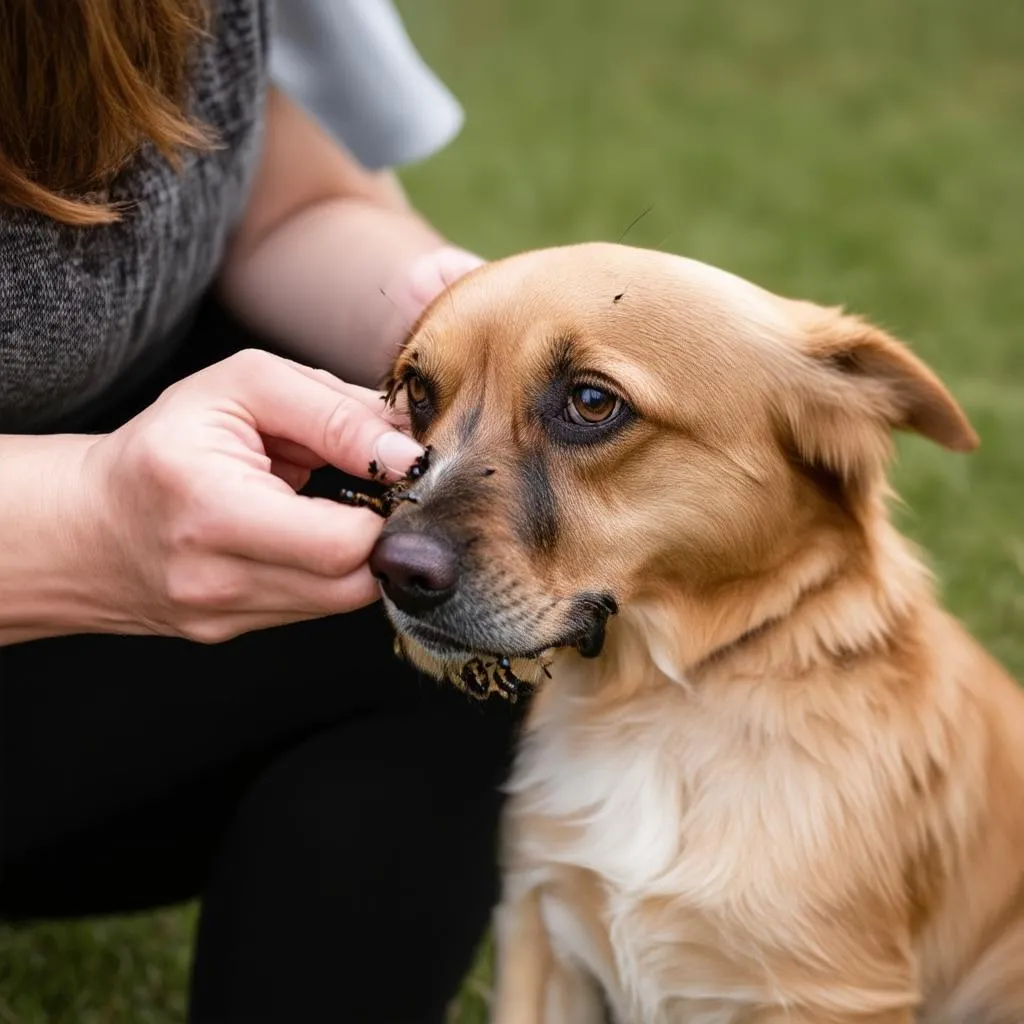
<point>789,787</point>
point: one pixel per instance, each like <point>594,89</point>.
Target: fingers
<point>277,527</point>
<point>291,591</point>
<point>328,420</point>
<point>275,597</point>
<point>280,450</point>
<point>213,535</point>
<point>373,400</point>
<point>296,477</point>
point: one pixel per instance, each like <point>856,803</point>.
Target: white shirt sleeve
<point>351,65</point>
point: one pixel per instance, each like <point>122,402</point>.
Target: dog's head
<point>612,425</point>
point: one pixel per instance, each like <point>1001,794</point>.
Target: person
<point>200,286</point>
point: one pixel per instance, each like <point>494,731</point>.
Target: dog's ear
<point>856,384</point>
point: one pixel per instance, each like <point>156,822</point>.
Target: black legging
<point>334,811</point>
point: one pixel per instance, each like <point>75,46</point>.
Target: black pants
<point>334,811</point>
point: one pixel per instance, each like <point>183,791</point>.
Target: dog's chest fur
<point>679,852</point>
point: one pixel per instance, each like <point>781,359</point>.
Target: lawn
<point>870,154</point>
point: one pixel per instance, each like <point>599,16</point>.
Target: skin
<point>186,520</point>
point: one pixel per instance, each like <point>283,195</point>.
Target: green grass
<point>870,154</point>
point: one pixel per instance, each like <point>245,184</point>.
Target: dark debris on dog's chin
<point>481,677</point>
<point>486,676</point>
<point>385,503</point>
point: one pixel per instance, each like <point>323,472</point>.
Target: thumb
<point>431,274</point>
<point>287,403</point>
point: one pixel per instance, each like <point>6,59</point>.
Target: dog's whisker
<point>633,223</point>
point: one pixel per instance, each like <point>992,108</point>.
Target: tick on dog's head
<point>611,424</point>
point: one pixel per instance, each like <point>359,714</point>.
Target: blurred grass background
<point>869,154</point>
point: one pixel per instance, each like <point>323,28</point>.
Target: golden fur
<point>791,787</point>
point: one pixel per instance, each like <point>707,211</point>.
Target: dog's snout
<point>416,570</point>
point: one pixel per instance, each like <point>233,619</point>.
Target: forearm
<point>321,238</point>
<point>50,581</point>
<point>317,285</point>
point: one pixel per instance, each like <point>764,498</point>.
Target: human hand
<point>418,283</point>
<point>197,521</point>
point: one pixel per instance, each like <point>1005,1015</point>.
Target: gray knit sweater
<point>80,306</point>
<point>82,309</point>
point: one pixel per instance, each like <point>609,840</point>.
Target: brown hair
<point>83,83</point>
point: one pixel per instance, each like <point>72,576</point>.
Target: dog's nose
<point>416,570</point>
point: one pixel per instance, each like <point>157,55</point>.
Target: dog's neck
<point>832,601</point>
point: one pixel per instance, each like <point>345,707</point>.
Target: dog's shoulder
<point>696,793</point>
<point>693,825</point>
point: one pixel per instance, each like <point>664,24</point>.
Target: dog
<point>769,779</point>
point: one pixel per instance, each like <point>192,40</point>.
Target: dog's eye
<point>420,400</point>
<point>416,389</point>
<point>589,405</point>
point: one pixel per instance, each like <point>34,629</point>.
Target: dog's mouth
<point>481,668</point>
<point>448,645</point>
<point>584,631</point>
<point>437,641</point>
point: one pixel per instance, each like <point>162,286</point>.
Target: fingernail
<point>397,452</point>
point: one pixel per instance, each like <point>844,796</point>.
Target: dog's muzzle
<point>437,594</point>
